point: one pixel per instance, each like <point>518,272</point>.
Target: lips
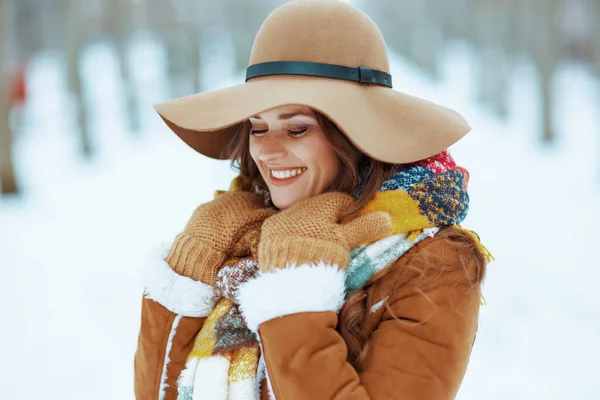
<point>288,173</point>
<point>285,176</point>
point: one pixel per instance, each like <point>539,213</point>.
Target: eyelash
<point>296,133</point>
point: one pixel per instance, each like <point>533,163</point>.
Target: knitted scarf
<point>225,360</point>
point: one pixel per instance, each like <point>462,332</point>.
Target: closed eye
<point>297,132</point>
<point>258,131</point>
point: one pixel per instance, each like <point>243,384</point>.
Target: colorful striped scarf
<point>225,360</point>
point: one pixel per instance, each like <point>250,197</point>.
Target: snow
<point>72,244</point>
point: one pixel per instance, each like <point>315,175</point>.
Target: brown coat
<point>421,332</point>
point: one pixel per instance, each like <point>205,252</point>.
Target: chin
<point>283,202</point>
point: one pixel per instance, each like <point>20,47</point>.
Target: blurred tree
<point>456,19</point>
<point>546,55</point>
<point>8,182</point>
<point>490,22</point>
<point>395,20</point>
<point>122,19</point>
<point>427,39</point>
<point>74,32</point>
<point>596,35</point>
<point>30,27</point>
<point>243,18</point>
<point>180,26</point>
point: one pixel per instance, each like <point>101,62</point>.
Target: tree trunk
<point>546,58</point>
<point>193,33</point>
<point>492,67</point>
<point>596,34</point>
<point>74,38</point>
<point>122,14</point>
<point>8,182</point>
<point>457,19</point>
<point>427,39</point>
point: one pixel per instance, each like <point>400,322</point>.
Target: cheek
<point>330,165</point>
<point>319,155</point>
<point>254,149</point>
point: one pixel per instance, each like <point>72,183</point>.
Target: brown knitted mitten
<point>310,232</point>
<point>210,235</point>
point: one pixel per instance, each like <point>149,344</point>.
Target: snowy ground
<point>71,245</point>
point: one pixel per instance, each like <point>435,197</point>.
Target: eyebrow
<point>288,115</point>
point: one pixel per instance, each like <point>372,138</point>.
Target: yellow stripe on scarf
<point>405,212</point>
<point>205,341</point>
<point>243,364</point>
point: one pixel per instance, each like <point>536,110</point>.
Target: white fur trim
<point>211,378</point>
<point>262,373</point>
<point>269,386</point>
<point>177,293</point>
<point>163,379</point>
<point>242,390</point>
<point>291,290</point>
<point>431,231</point>
<point>186,378</point>
<point>375,307</point>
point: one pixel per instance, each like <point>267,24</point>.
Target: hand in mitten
<point>310,232</point>
<point>201,249</point>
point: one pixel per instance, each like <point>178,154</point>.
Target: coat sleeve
<point>419,350</point>
<point>174,308</point>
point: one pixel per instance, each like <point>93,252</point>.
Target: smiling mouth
<point>284,177</point>
<point>286,174</point>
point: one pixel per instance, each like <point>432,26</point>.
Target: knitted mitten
<point>310,232</point>
<point>209,237</point>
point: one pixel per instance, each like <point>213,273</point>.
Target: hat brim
<point>386,124</point>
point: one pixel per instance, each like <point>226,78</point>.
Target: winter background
<point>92,178</point>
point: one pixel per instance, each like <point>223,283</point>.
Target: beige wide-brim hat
<point>330,56</point>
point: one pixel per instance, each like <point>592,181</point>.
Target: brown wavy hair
<point>354,163</point>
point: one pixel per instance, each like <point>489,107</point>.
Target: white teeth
<point>288,173</point>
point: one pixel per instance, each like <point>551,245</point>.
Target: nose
<point>272,149</point>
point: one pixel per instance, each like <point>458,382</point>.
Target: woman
<point>334,267</point>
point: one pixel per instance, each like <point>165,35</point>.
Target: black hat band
<point>364,75</point>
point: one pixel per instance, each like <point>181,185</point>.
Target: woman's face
<point>293,155</point>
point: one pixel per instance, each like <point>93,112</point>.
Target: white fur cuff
<point>291,290</point>
<point>177,293</point>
